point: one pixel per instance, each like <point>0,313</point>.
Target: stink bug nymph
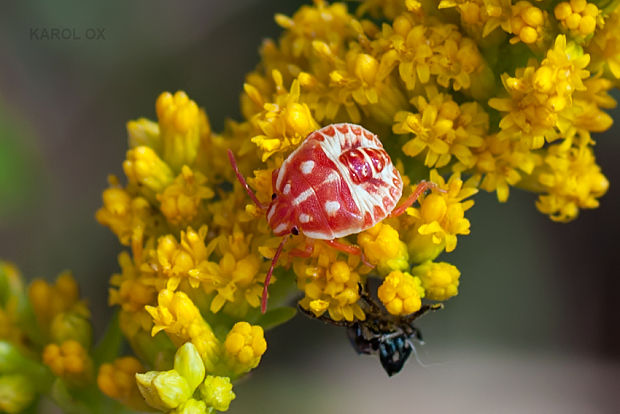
<point>339,181</point>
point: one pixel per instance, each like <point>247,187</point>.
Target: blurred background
<point>535,328</point>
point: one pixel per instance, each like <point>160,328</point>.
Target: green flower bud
<point>217,392</point>
<point>10,358</point>
<point>143,132</point>
<point>189,365</point>
<point>192,406</point>
<point>16,393</point>
<point>71,325</point>
<point>163,390</point>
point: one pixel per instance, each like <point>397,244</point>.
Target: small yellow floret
<point>382,246</point>
<point>183,125</point>
<point>440,280</point>
<point>244,346</point>
<point>401,293</point>
<point>147,171</point>
<point>217,392</point>
<point>180,201</point>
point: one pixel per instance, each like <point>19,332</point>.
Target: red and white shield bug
<point>338,182</point>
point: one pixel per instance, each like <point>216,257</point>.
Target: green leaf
<point>275,317</point>
<point>110,344</point>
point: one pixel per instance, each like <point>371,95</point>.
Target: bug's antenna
<point>263,302</point>
<point>244,183</point>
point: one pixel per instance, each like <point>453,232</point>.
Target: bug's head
<point>280,215</point>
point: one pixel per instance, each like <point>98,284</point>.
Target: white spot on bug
<point>332,177</point>
<point>332,207</point>
<point>304,218</point>
<point>303,197</point>
<point>287,189</point>
<point>270,212</point>
<point>307,167</point>
<point>280,227</point>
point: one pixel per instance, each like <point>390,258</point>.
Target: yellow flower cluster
<point>330,284</point>
<point>401,293</point>
<point>244,346</point>
<point>174,391</point>
<point>508,97</point>
<point>117,381</point>
<point>45,343</point>
<point>578,16</point>
<point>68,360</point>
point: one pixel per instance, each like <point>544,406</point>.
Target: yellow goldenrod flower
<point>145,170</point>
<point>217,392</point>
<point>236,277</point>
<point>330,285</point>
<point>605,45</point>
<point>117,380</point>
<point>328,22</point>
<point>539,94</point>
<point>128,217</point>
<point>70,361</point>
<point>526,23</point>
<point>577,16</point>
<point>437,50</point>
<point>442,129</point>
<point>180,201</point>
<point>283,123</point>
<point>164,390</point>
<point>190,406</point>
<point>382,247</point>
<point>401,293</point>
<point>439,280</point>
<point>131,290</point>
<point>440,218</point>
<point>179,260</point>
<point>244,346</point>
<point>16,393</point>
<point>500,164</point>
<point>177,315</point>
<point>480,16</point>
<point>571,180</point>
<point>183,126</point>
<point>49,301</point>
<point>144,132</point>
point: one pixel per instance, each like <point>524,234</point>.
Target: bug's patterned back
<point>339,181</point>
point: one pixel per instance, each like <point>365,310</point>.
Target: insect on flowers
<point>339,181</point>
<point>389,336</point>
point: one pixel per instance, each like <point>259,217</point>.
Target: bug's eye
<point>295,231</point>
<point>273,196</point>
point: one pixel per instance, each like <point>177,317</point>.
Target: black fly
<point>389,336</point>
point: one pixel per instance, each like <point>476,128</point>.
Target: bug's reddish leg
<point>356,250</point>
<point>263,302</point>
<point>306,252</point>
<point>244,183</point>
<point>421,188</point>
